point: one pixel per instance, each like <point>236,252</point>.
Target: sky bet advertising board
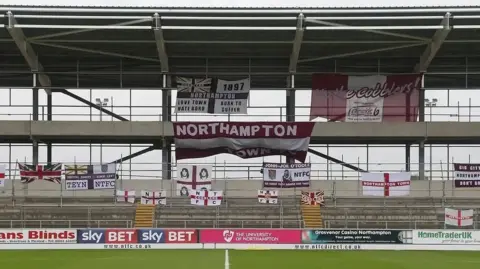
<point>136,236</point>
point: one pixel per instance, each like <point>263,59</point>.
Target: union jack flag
<point>49,172</point>
<point>313,198</point>
<point>191,85</point>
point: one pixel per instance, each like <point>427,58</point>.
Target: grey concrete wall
<point>145,129</point>
<point>237,188</point>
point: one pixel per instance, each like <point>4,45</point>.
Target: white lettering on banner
<point>92,236</point>
<point>15,236</point>
<point>120,236</point>
<point>378,90</point>
<point>157,237</point>
<point>217,128</point>
<point>180,236</point>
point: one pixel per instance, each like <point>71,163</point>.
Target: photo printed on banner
<point>286,175</point>
<point>212,96</point>
<point>467,175</point>
<point>193,177</point>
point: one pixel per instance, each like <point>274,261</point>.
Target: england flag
<point>126,196</point>
<point>268,196</point>
<point>154,197</point>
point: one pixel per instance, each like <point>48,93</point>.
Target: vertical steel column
<point>421,118</point>
<point>166,117</point>
<point>49,118</point>
<point>34,118</point>
<point>407,157</point>
<point>290,103</point>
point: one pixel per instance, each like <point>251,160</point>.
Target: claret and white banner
<point>243,139</point>
<point>386,184</point>
<point>212,96</point>
<point>467,175</point>
<point>192,178</point>
<point>379,98</point>
<point>286,175</point>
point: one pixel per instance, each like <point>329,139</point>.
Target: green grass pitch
<point>239,259</point>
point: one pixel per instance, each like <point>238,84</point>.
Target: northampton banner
<point>467,175</point>
<point>339,97</point>
<point>243,139</point>
<point>212,96</point>
<point>353,237</point>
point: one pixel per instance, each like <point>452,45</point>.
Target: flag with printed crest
<point>268,196</point>
<point>126,196</point>
<point>48,172</point>
<point>153,197</point>
<point>206,198</point>
<point>90,177</point>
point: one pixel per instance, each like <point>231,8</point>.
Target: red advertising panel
<point>120,236</point>
<point>251,236</point>
<point>38,236</point>
<point>181,236</point>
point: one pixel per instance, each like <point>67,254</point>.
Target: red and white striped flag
<point>153,197</point>
<point>126,196</point>
<point>458,217</point>
<point>2,176</point>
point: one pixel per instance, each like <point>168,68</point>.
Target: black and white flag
<point>90,177</point>
<point>212,96</point>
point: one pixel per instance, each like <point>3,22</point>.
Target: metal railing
<point>166,223</point>
<point>446,113</point>
<point>392,224</point>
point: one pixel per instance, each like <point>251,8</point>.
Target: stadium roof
<point>112,47</point>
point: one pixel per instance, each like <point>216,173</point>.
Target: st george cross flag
<point>2,176</point>
<point>313,198</point>
<point>193,177</point>
<point>378,98</point>
<point>268,196</point>
<point>48,172</point>
<point>126,196</point>
<point>458,217</point>
<point>153,197</point>
<point>386,184</point>
<point>206,198</point>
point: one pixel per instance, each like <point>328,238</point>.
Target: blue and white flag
<point>90,177</point>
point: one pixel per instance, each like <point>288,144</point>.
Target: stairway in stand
<point>312,218</point>
<point>144,216</point>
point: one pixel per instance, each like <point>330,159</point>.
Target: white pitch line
<point>227,260</point>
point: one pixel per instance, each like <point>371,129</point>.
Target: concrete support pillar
<point>166,116</point>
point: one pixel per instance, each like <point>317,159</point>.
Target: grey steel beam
<point>435,44</point>
<point>27,51</point>
<point>297,44</point>
<point>166,117</point>
<point>160,42</point>
<point>49,118</point>
<point>136,154</point>
<point>319,154</point>
<point>78,98</point>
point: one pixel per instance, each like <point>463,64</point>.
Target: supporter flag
<point>126,196</point>
<point>206,198</point>
<point>153,197</point>
<point>313,198</point>
<point>386,184</point>
<point>242,139</point>
<point>48,172</point>
<point>378,98</point>
<point>193,177</point>
<point>268,196</point>
<point>2,176</point>
<point>458,217</point>
<point>90,177</point>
